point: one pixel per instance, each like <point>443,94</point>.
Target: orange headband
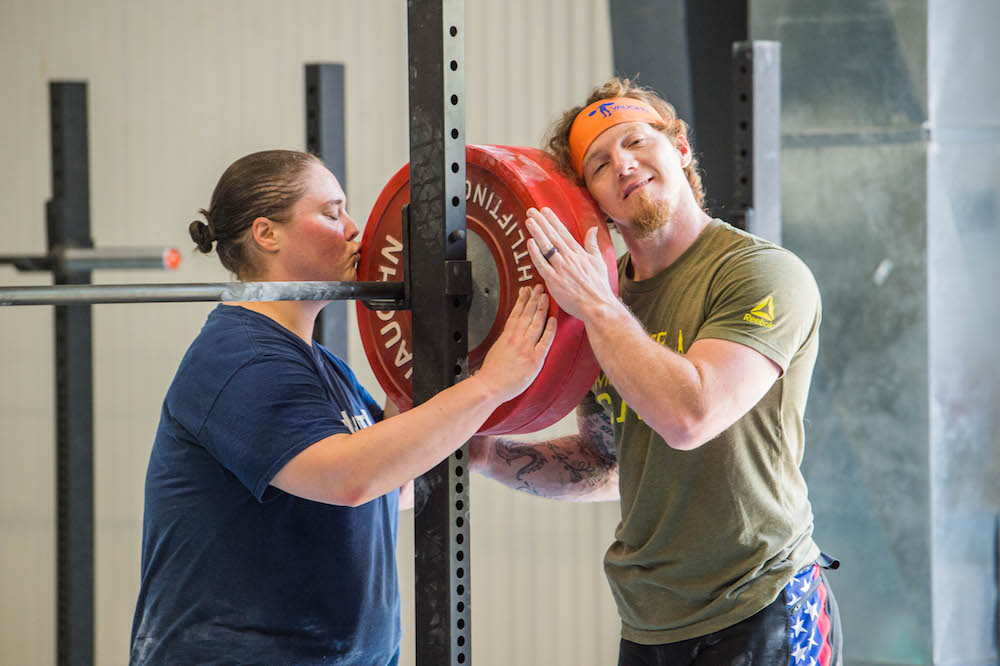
<point>601,115</point>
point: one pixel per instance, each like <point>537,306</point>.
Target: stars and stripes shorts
<point>800,628</point>
<point>814,636</point>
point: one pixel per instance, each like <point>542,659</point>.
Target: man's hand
<point>575,275</point>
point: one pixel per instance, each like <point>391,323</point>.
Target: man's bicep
<point>734,378</point>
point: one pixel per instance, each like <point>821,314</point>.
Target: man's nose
<point>623,162</point>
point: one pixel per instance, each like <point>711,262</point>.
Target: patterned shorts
<point>800,628</point>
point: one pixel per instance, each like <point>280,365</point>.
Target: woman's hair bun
<point>202,234</point>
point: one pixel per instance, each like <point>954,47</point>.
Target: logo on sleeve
<point>356,422</point>
<point>762,314</point>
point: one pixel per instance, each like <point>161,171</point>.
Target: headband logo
<point>608,108</point>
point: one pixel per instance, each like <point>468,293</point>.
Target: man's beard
<point>650,216</point>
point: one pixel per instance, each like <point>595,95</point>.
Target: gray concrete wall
<point>890,179</point>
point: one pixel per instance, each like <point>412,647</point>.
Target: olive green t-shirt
<point>708,537</point>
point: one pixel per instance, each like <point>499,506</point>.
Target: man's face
<point>320,241</point>
<point>636,175</point>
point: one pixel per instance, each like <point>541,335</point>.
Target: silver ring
<point>548,253</point>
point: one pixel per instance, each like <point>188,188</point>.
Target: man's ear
<point>265,234</point>
<point>684,148</point>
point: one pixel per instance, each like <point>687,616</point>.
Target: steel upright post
<point>68,222</point>
<point>441,289</point>
<point>326,138</point>
<point>757,138</point>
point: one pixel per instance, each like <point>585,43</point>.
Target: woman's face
<point>320,241</point>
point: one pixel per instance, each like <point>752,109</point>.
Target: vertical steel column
<point>682,49</point>
<point>757,138</point>
<point>326,138</point>
<point>68,224</point>
<point>713,27</point>
<point>441,289</point>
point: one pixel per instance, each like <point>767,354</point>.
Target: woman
<point>269,530</point>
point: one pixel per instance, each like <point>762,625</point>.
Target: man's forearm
<point>639,368</point>
<point>568,468</point>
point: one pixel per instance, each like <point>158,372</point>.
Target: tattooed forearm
<point>577,467</point>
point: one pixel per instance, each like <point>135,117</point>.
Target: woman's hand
<point>516,358</point>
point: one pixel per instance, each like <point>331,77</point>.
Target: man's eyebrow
<point>594,155</point>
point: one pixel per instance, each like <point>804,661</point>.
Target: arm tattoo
<point>583,463</point>
<point>510,451</point>
<point>577,470</point>
<point>599,438</point>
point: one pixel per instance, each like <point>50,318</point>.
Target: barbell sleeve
<point>385,293</point>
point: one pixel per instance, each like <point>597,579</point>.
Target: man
<point>697,415</point>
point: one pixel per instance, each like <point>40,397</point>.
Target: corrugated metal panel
<point>177,91</point>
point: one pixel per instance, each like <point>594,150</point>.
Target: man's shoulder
<point>741,254</point>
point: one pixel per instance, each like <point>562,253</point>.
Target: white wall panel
<point>177,91</point>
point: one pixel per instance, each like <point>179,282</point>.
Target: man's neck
<point>654,253</point>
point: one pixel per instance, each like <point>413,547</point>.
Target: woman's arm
<point>353,469</point>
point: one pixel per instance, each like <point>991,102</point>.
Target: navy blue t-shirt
<point>234,570</point>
